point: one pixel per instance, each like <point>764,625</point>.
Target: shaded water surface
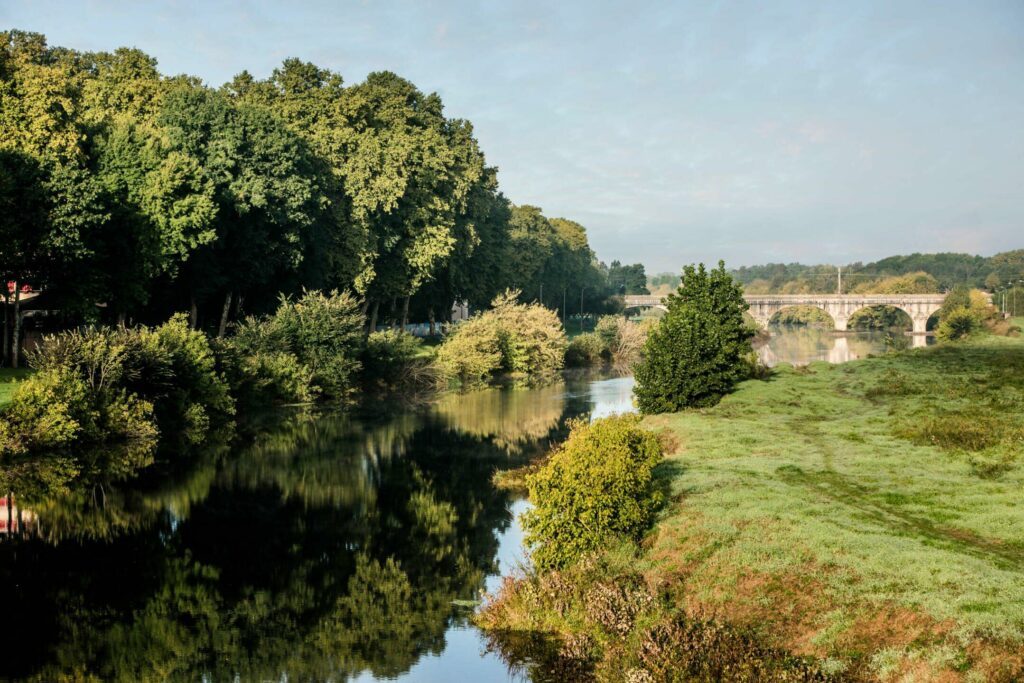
<point>800,345</point>
<point>333,548</point>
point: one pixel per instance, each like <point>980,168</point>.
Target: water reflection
<point>799,345</point>
<point>330,548</point>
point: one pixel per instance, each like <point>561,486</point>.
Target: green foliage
<point>697,352</point>
<point>322,331</point>
<point>585,349</point>
<point>111,386</point>
<point>597,488</point>
<point>393,358</point>
<point>957,323</point>
<point>803,315</point>
<point>523,340</point>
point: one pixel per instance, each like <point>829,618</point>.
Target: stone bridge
<point>920,307</point>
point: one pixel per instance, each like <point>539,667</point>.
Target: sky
<point>676,132</point>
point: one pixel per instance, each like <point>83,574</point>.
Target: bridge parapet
<point>920,307</point>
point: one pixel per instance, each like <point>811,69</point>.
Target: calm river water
<point>344,547</point>
<point>333,548</point>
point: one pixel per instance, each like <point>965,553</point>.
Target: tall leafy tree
<point>697,352</point>
<point>266,192</point>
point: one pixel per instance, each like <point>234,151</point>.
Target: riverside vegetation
<point>853,522</point>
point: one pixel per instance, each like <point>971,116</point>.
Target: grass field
<point>870,514</point>
<point>8,378</point>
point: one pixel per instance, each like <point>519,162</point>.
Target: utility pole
<point>840,269</point>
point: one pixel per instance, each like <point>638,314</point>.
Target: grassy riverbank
<point>836,522</point>
<point>868,514</point>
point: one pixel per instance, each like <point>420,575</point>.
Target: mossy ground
<point>869,514</point>
<point>8,379</point>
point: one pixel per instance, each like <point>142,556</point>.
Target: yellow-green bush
<point>523,340</point>
<point>597,488</point>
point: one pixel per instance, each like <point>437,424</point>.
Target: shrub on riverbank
<point>324,333</point>
<point>585,349</point>
<point>395,359</point>
<point>958,323</point>
<point>698,351</point>
<point>623,339</point>
<point>597,488</point>
<point>110,386</point>
<point>526,341</point>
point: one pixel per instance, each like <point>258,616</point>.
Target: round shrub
<point>596,488</point>
<point>958,323</point>
<point>523,340</point>
<point>472,352</point>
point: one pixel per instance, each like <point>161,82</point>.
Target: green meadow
<point>869,514</point>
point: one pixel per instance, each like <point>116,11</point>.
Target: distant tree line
<point>127,195</point>
<point>916,273</point>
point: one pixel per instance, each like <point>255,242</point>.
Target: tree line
<point>127,195</point>
<point>909,274</point>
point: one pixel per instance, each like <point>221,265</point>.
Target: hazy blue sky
<point>750,131</point>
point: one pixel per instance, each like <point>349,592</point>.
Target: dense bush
<point>958,323</point>
<point>324,334</point>
<point>395,358</point>
<point>585,349</point>
<point>261,378</point>
<point>699,350</point>
<point>596,488</point>
<point>522,340</point>
<point>108,386</point>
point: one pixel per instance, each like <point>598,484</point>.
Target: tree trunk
<point>405,312</point>
<point>394,313</point>
<point>366,306</point>
<point>121,317</point>
<point>16,337</point>
<point>7,325</point>
<point>433,325</point>
<point>193,312</point>
<point>373,317</point>
<point>238,306</point>
<point>224,315</point>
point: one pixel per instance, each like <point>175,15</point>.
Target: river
<point>800,345</point>
<point>340,547</point>
<point>332,547</point>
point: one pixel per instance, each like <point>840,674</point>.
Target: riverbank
<point>865,515</point>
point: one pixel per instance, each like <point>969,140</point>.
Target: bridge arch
<point>906,317</point>
<point>782,315</point>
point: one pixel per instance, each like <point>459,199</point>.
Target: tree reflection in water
<point>328,547</point>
